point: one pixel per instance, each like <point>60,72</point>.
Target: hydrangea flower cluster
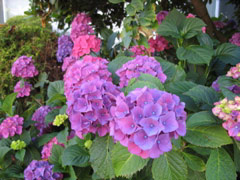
<point>65,46</point>
<point>68,61</point>
<point>39,116</point>
<point>229,111</point>
<point>234,72</point>
<point>11,126</point>
<point>161,16</point>
<point>89,109</point>
<point>219,24</point>
<point>47,148</point>
<point>158,44</point>
<point>235,39</point>
<point>138,50</point>
<point>18,145</point>
<point>89,68</point>
<point>141,64</point>
<point>22,89</point>
<point>41,170</point>
<point>193,16</point>
<point>146,120</point>
<point>59,119</point>
<point>84,44</point>
<point>24,67</point>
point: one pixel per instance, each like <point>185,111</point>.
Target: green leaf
<point>236,155</point>
<point>127,38</point>
<point>42,79</point>
<point>195,175</point>
<point>152,79</point>
<point>74,156</point>
<point>56,87</point>
<point>139,84</point>
<point>192,27</point>
<point>45,138</point>
<point>63,110</point>
<point>100,157</point>
<point>137,4</point>
<point>201,150</point>
<point>228,53</point>
<point>56,154</point>
<point>3,151</point>
<point>195,54</point>
<point>125,163</point>
<point>49,118</point>
<point>205,40</point>
<point>62,135</point>
<point>207,136</point>
<point>20,154</point>
<point>8,103</point>
<point>26,137</point>
<point>116,1</point>
<point>131,10</point>
<point>194,162</point>
<point>56,97</point>
<point>180,87</point>
<point>169,166</point>
<point>147,16</point>
<point>111,40</point>
<point>220,166</point>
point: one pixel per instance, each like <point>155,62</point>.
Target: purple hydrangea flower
<point>146,120</point>
<point>89,109</point>
<point>24,67</point>
<point>161,16</point>
<point>39,116</point>
<point>11,126</point>
<point>235,39</point>
<point>68,61</point>
<point>141,64</point>
<point>23,90</point>
<point>41,170</point>
<point>234,88</point>
<point>65,46</point>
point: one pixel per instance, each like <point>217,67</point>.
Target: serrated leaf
<point>20,154</point>
<point>57,97</point>
<point>220,166</point>
<point>111,40</point>
<point>207,136</point>
<point>56,87</point>
<point>26,137</point>
<point>195,175</point>
<point>137,4</point>
<point>45,138</point>
<point>127,38</point>
<point>62,135</point>
<point>42,79</point>
<point>191,27</point>
<point>131,10</point>
<point>169,166</point>
<point>56,154</point>
<point>125,163</point>
<point>205,40</point>
<point>152,79</point>
<point>3,151</point>
<point>236,155</point>
<point>49,118</point>
<point>180,87</point>
<point>194,162</point>
<point>8,103</point>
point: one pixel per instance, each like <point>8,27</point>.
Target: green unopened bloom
<point>88,144</point>
<point>17,145</point>
<point>59,119</point>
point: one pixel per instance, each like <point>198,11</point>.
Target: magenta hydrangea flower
<point>235,39</point>
<point>23,90</point>
<point>47,148</point>
<point>41,170</point>
<point>138,50</point>
<point>89,68</point>
<point>234,72</point>
<point>11,126</point>
<point>24,67</point>
<point>85,44</point>
<point>219,24</point>
<point>89,109</point>
<point>161,16</point>
<point>158,44</point>
<point>146,120</point>
<point>68,61</point>
<point>65,46</point>
<point>39,116</point>
<point>141,64</point>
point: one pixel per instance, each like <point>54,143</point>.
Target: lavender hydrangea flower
<point>146,120</point>
<point>68,61</point>
<point>39,116</point>
<point>24,90</point>
<point>65,46</point>
<point>41,170</point>
<point>24,67</point>
<point>141,64</point>
<point>11,126</point>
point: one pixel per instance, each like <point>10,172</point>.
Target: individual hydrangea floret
<point>158,44</point>
<point>11,126</point>
<point>18,145</point>
<point>89,68</point>
<point>65,46</point>
<point>41,170</point>
<point>39,116</point>
<point>146,120</point>
<point>234,72</point>
<point>235,39</point>
<point>85,44</point>
<point>24,67</point>
<point>141,64</point>
<point>219,24</point>
<point>88,111</point>
<point>161,16</point>
<point>47,148</point>
<point>68,61</point>
<point>59,119</point>
<point>22,88</point>
<point>229,112</point>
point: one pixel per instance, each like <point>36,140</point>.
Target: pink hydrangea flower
<point>234,72</point>
<point>204,29</point>
<point>47,148</point>
<point>24,67</point>
<point>146,120</point>
<point>81,18</point>
<point>161,16</point>
<point>138,50</point>
<point>158,44</point>
<point>67,62</point>
<point>85,44</point>
<point>11,126</point>
<point>141,64</point>
<point>235,39</point>
<point>23,90</point>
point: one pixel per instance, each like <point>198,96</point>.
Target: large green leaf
<point>192,27</point>
<point>131,10</point>
<point>205,40</point>
<point>139,84</point>
<point>207,136</point>
<point>195,175</point>
<point>8,103</point>
<point>194,162</point>
<point>137,4</point>
<point>116,1</point>
<point>236,155</point>
<point>100,157</point>
<point>62,135</point>
<point>152,79</point>
<point>169,166</point>
<point>111,40</point>
<point>45,138</point>
<point>220,166</point>
<point>125,163</point>
<point>56,87</point>
<point>180,87</point>
<point>147,16</point>
<point>3,151</point>
<point>195,54</point>
<point>127,38</point>
<point>75,156</point>
<point>49,118</point>
<point>56,154</point>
